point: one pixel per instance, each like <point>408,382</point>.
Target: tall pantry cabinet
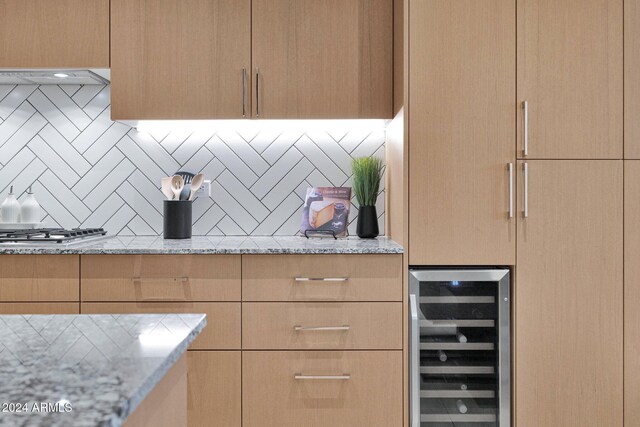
<point>462,160</point>
<point>568,286</point>
<point>632,214</point>
<point>556,214</point>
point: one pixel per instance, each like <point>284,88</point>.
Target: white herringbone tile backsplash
<point>89,171</point>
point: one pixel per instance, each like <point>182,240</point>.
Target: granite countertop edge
<point>118,245</point>
<point>88,251</point>
<point>129,406</point>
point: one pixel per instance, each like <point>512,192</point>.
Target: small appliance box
<point>326,210</point>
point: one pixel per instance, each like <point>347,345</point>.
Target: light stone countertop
<point>210,245</point>
<point>102,365</point>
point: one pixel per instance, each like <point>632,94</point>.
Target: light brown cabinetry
<point>229,59</point>
<point>207,284</point>
<point>228,383</point>
<point>214,394</point>
<point>290,388</point>
<point>180,59</point>
<point>161,278</point>
<point>461,131</point>
<point>305,325</point>
<point>29,278</point>
<point>569,295</point>
<point>631,292</point>
<point>166,403</point>
<point>631,80</point>
<point>54,34</point>
<point>223,319</point>
<point>322,59</point>
<point>348,306</point>
<point>322,278</point>
<point>570,72</point>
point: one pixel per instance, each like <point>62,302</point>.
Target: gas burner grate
<point>57,235</point>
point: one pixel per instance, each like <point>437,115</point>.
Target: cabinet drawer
<point>295,388</point>
<point>223,319</point>
<point>161,278</point>
<point>322,277</point>
<point>214,395</point>
<point>39,278</point>
<point>328,325</point>
<point>40,308</point>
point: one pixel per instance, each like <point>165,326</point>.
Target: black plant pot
<point>367,227</point>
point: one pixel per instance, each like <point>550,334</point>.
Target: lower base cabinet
<point>214,359</point>
<point>289,369</point>
<point>214,389</point>
<point>322,388</point>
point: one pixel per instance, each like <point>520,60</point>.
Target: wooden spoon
<point>166,187</point>
<point>177,184</point>
<point>196,183</point>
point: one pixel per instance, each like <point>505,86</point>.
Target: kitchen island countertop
<point>210,245</point>
<point>87,370</point>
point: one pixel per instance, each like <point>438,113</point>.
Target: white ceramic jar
<point>10,208</point>
<point>30,210</point>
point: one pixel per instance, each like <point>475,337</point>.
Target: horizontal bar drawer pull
<point>321,279</point>
<point>343,377</point>
<point>175,279</point>
<point>299,328</point>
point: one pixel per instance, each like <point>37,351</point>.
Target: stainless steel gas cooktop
<point>51,235</point>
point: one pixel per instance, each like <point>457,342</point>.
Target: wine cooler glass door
<point>460,348</point>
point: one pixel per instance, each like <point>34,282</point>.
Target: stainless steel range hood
<point>54,77</point>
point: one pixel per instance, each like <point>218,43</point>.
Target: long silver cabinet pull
<point>257,92</point>
<point>510,190</point>
<point>299,328</point>
<point>343,377</point>
<point>244,91</point>
<point>321,279</point>
<point>175,279</point>
<point>525,108</point>
<point>525,171</point>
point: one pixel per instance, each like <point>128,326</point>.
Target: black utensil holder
<point>177,219</point>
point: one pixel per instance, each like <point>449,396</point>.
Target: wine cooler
<point>460,347</point>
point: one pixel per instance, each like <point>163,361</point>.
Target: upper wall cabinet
<point>570,74</point>
<point>461,132</point>
<point>54,34</point>
<point>180,59</point>
<point>632,79</point>
<point>321,59</point>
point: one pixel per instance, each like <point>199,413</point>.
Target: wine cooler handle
<point>414,362</point>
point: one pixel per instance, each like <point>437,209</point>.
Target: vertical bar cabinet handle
<point>257,92</point>
<point>525,108</point>
<point>244,91</point>
<point>510,190</point>
<point>525,168</point>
